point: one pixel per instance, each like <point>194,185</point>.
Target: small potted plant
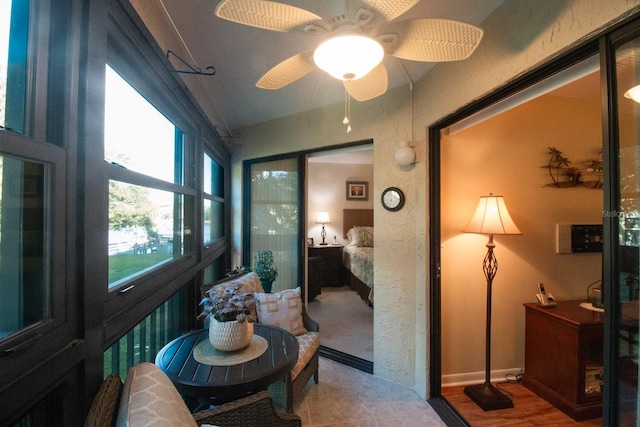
<point>265,268</point>
<point>232,312</point>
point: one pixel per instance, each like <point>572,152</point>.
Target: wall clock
<point>392,199</point>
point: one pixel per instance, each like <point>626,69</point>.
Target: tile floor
<point>346,396</point>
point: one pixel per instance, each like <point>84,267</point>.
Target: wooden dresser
<point>564,357</point>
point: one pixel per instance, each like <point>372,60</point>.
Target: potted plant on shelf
<point>232,311</point>
<point>265,268</point>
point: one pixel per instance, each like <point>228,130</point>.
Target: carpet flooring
<point>346,321</point>
<point>348,397</point>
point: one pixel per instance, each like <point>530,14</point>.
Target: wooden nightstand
<point>332,272</point>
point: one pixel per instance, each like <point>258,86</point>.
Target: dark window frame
<point>36,357</point>
<point>138,62</point>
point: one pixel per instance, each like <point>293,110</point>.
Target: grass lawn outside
<point>125,265</point>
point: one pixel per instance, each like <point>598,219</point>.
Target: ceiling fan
<point>356,41</point>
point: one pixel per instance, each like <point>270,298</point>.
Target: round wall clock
<point>392,199</point>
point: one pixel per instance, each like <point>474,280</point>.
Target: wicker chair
<point>291,386</point>
<point>254,410</point>
<point>113,402</point>
<point>289,390</point>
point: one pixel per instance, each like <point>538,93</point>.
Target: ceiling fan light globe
<point>405,156</point>
<point>633,93</point>
<point>348,57</point>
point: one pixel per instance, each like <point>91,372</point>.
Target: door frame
<point>302,176</point>
<point>302,156</point>
<point>246,207</point>
<point>598,44</point>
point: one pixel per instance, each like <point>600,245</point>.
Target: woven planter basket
<point>230,336</point>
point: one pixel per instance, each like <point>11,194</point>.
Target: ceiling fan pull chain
<point>349,103</point>
<point>345,121</point>
<point>347,110</point>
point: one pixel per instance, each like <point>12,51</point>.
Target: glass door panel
<point>275,217</point>
<point>627,241</point>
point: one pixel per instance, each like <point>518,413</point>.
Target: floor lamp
<point>491,217</point>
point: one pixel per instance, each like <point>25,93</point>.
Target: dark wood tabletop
<point>220,384</point>
<point>570,312</point>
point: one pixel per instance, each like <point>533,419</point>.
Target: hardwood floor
<point>529,409</point>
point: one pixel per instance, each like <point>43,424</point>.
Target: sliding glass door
<point>624,224</point>
<point>272,216</point>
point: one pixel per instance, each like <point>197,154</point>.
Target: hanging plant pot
<point>230,336</point>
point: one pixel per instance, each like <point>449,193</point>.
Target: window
<point>140,229</point>
<point>214,271</point>
<point>213,177</point>
<point>213,200</point>
<point>14,31</point>
<point>137,136</point>
<point>39,318</point>
<point>148,220</point>
<point>71,183</point>
<point>24,252</point>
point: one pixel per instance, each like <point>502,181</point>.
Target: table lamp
<point>491,217</point>
<point>323,218</point>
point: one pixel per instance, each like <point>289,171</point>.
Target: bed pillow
<point>363,237</point>
<point>282,310</point>
<point>351,236</point>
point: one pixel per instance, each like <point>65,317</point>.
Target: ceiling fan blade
<point>264,14</point>
<point>288,71</point>
<point>430,40</point>
<point>385,10</point>
<point>370,86</point>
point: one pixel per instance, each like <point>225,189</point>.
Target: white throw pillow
<point>282,310</point>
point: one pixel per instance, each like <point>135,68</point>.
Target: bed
<point>357,256</point>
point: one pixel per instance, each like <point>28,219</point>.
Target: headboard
<point>356,217</point>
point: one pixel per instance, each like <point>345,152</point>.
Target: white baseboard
<point>477,377</point>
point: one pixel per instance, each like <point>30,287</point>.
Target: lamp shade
<point>348,56</point>
<point>323,218</point>
<point>492,217</point>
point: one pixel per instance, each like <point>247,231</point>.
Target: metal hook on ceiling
<point>236,135</point>
<point>197,71</point>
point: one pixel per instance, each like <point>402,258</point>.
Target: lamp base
<point>323,244</point>
<point>488,397</point>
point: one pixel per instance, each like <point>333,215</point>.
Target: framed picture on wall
<point>357,190</point>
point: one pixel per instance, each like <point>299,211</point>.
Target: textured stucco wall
<point>386,120</point>
<point>518,36</point>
